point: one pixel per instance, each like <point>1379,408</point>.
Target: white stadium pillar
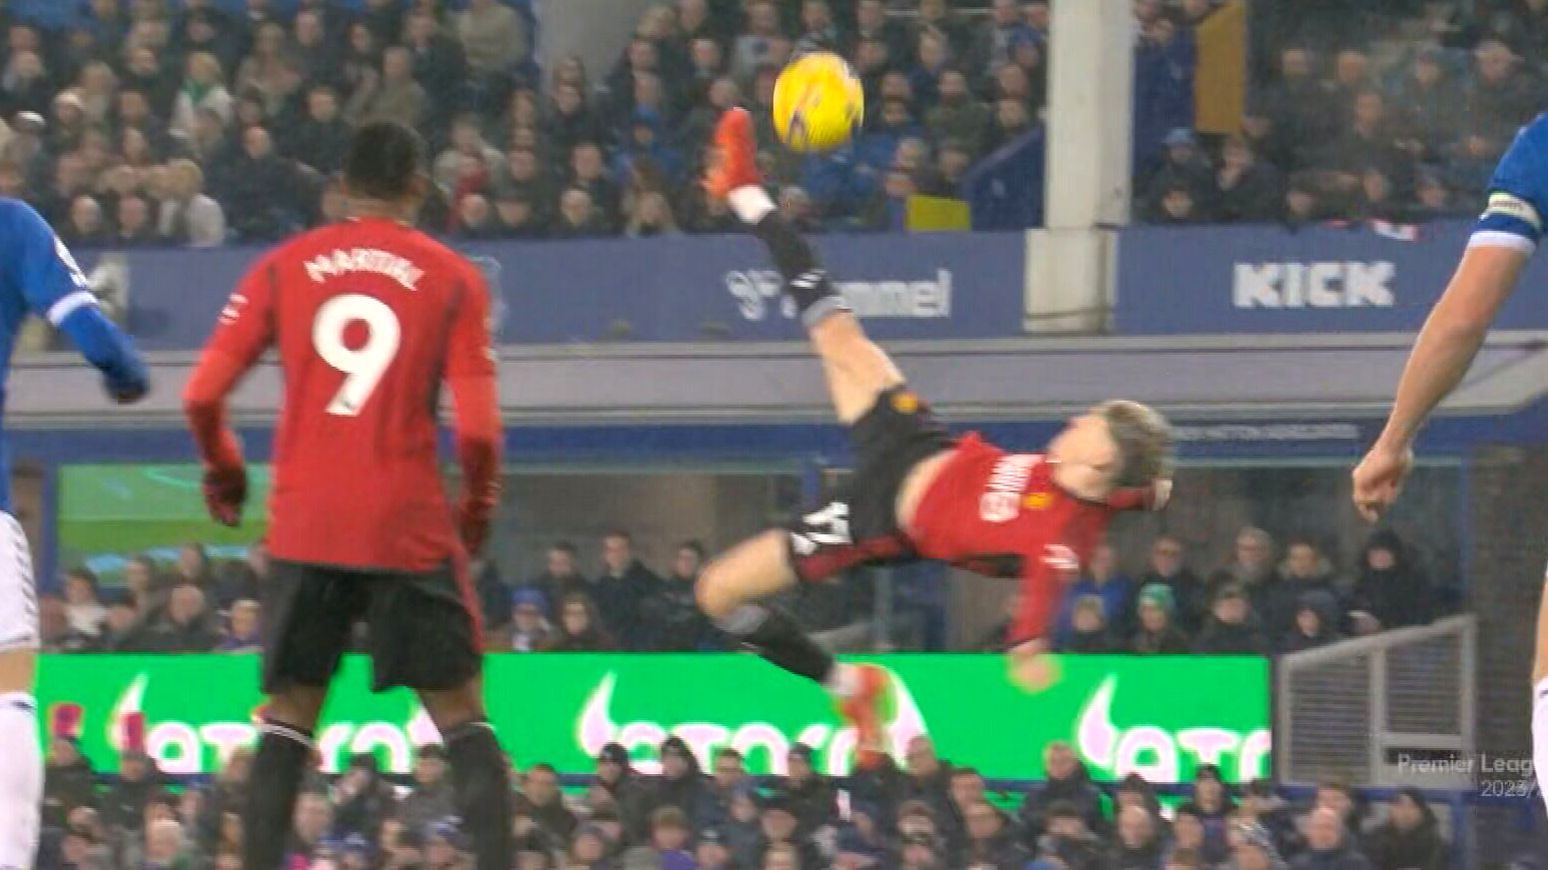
<point>1087,176</point>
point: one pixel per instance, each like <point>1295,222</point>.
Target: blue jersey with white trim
<point>37,275</point>
<point>1518,193</point>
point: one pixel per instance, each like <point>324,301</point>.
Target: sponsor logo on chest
<point>1002,498</point>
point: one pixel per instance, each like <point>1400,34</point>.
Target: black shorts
<point>858,524</point>
<point>424,628</point>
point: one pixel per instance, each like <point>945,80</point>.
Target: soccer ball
<point>819,103</point>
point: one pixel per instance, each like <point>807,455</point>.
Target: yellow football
<point>819,103</point>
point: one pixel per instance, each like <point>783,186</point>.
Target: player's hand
<point>129,385</point>
<point>1032,667</point>
<point>1379,478</point>
<point>225,493</point>
<point>473,524</point>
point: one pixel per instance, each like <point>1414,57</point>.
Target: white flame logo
<point>597,728</point>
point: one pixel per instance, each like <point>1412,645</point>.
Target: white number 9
<point>364,365</point>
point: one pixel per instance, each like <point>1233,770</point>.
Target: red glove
<point>473,523</point>
<point>225,493</point>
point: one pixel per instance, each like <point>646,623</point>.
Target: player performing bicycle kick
<point>918,491</point>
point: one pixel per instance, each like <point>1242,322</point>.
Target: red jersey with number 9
<point>1001,514</point>
<point>369,317</point>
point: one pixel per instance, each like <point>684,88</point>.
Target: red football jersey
<point>369,316</point>
<point>1001,514</point>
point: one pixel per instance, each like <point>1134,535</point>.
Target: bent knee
<point>714,591</point>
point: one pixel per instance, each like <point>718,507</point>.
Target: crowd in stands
<point>1401,124</point>
<point>155,124</point>
<point>926,814</point>
<point>1262,602</point>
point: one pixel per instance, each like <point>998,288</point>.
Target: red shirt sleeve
<point>471,375</point>
<point>1042,595</point>
<point>245,330</point>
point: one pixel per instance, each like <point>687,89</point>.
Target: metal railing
<point>1392,709</point>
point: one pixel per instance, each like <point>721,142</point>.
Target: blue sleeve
<point>1518,193</point>
<point>54,287</point>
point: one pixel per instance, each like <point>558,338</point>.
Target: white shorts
<point>18,593</point>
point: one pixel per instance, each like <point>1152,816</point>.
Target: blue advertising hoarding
<point>1271,279</point>
<point>948,285</point>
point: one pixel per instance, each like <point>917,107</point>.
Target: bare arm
<point>1451,337</point>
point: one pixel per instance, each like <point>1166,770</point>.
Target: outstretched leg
<point>732,588</point>
<point>857,370</point>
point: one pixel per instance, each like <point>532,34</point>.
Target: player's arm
<point>471,377</point>
<point>56,289</point>
<point>1505,237</point>
<point>245,330</point>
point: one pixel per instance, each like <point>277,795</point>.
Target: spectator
<point>860,845</point>
<point>69,782</point>
<point>819,31</point>
<point>727,778</point>
<point>623,586</point>
<point>24,84</point>
<point>439,62</point>
<point>322,139</point>
<point>1499,97</point>
<point>1185,168</point>
<point>1409,838</point>
<point>138,780</point>
<point>244,634</point>
<point>203,89</point>
<point>744,833</point>
<point>362,798</point>
<point>188,216</point>
<point>260,194</point>
<point>1252,565</point>
<point>993,46</point>
<point>1190,833</point>
<point>927,778</point>
<point>782,836</point>
<point>1304,570</point>
<point>1341,798</point>
<point>588,173</point>
<point>681,783</point>
<point>133,227</point>
<point>888,209</point>
<point>1157,635</point>
<point>560,576</point>
<point>990,842</point>
<point>494,38</point>
<point>1068,839</point>
<point>1261,805</point>
<point>431,796</point>
<point>544,803</point>
<point>651,217</point>
<point>1327,845</point>
<point>1168,567</point>
<point>757,46</point>
<point>85,611</point>
<point>1089,632</point>
<point>399,97</point>
<point>476,218</point>
<point>1104,581</point>
<point>671,612</point>
<point>86,226</point>
<point>669,838</point>
<point>629,792</point>
<point>578,629</point>
<point>1139,845</point>
<point>530,629</point>
<point>1232,629</point>
<point>1212,804</point>
<point>712,851</point>
<point>1246,189</point>
<point>1184,859</point>
<point>578,217</point>
<point>589,848</point>
<point>807,793</point>
<point>1393,591</point>
<point>186,627</point>
<point>1316,622</point>
<point>1252,847</point>
<point>1068,783</point>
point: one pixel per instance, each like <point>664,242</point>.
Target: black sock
<point>278,767</point>
<point>775,635</point>
<point>805,280</point>
<point>483,792</point>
